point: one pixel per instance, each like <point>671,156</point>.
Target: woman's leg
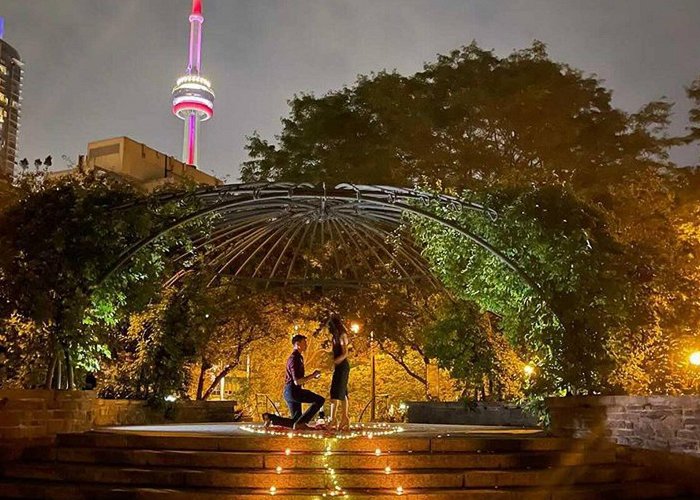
<point>333,417</point>
<point>345,415</point>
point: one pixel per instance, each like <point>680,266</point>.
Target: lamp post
<point>355,328</point>
<point>372,393</point>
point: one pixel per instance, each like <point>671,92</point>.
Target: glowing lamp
<point>354,327</point>
<point>528,369</point>
<point>695,358</point>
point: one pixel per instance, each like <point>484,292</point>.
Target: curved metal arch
<point>378,202</point>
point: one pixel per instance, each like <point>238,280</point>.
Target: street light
<point>695,358</point>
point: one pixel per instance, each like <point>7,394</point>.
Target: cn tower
<point>193,97</point>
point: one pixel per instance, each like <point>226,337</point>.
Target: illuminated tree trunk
<point>217,379</point>
<point>48,382</point>
<point>70,381</point>
<point>203,367</point>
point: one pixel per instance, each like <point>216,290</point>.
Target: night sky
<point>102,68</point>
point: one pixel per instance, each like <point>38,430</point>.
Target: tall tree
<point>584,188</point>
<point>57,242</point>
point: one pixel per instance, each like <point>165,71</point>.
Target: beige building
<point>139,165</point>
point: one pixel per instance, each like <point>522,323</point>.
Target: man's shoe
<point>267,420</point>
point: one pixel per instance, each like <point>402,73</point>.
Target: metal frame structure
<point>307,235</point>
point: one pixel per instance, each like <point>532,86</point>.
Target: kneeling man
<point>294,393</point>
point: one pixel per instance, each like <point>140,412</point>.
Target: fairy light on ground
<point>360,430</point>
<point>335,489</point>
<point>369,431</point>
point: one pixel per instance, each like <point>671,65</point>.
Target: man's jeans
<point>295,396</point>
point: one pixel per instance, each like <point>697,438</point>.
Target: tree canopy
<point>587,197</point>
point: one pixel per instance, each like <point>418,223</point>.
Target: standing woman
<point>339,385</point>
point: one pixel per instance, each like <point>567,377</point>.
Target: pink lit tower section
<point>193,97</point>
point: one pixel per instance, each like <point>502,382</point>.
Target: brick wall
<point>39,413</point>
<point>109,412</point>
<point>33,414</point>
<point>483,413</point>
<point>669,423</point>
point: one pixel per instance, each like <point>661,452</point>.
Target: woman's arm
<point>344,350</point>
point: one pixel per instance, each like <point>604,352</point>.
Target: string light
<point>356,431</point>
<point>359,430</point>
<point>335,490</point>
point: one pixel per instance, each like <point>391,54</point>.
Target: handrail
<point>267,398</point>
<point>383,396</point>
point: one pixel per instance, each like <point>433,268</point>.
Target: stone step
<point>242,478</point>
<point>275,443</point>
<point>310,460</point>
<point>53,490</point>
<point>560,476</point>
<point>321,478</point>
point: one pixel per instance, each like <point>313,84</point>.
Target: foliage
<point>588,204</point>
<point>469,345</point>
<point>469,120</point>
<point>57,243</point>
<point>149,354</point>
<point>583,294</point>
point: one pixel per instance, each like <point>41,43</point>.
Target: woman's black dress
<point>341,373</point>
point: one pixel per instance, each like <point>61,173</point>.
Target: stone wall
<point>109,412</point>
<point>34,414</point>
<point>483,413</point>
<point>40,413</point>
<point>669,423</point>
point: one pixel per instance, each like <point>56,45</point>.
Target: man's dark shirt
<point>295,367</point>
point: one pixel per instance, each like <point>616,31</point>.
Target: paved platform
<point>408,430</point>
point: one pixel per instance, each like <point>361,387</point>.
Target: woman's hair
<point>335,326</point>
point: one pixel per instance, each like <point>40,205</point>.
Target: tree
<point>583,294</point>
<point>470,119</point>
<point>240,318</point>
<point>468,343</point>
<point>585,193</point>
<point>56,245</point>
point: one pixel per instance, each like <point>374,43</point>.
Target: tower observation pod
<point>193,97</point>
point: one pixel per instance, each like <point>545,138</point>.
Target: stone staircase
<point>124,465</point>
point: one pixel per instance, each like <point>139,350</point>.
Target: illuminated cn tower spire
<point>193,97</point>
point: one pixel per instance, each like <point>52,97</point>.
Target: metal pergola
<point>287,234</point>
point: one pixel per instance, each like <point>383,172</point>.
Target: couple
<point>295,394</point>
